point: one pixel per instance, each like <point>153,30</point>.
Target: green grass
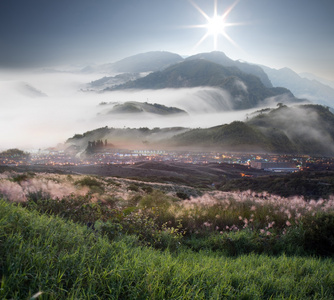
<point>68,261</point>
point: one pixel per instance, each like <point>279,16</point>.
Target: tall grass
<point>64,260</point>
<point>233,223</point>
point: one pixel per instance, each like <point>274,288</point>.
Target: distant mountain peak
<point>144,62</point>
<point>310,89</point>
<point>221,58</point>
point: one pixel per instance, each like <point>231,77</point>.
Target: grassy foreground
<point>63,260</point>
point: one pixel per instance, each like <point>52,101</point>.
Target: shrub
<point>133,187</point>
<point>95,185</point>
<point>22,177</point>
<point>182,195</point>
<point>319,233</point>
<point>147,189</point>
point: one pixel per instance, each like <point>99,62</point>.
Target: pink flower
<point>207,224</point>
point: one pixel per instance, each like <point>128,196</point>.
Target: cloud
<point>29,121</point>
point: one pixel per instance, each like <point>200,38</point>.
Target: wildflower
<point>288,223</point>
<point>253,208</point>
<point>270,225</point>
<point>268,233</point>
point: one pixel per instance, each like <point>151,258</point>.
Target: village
<point>268,162</point>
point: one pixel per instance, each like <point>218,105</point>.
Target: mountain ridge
<point>222,59</point>
<point>311,89</point>
<point>301,129</point>
<point>246,89</point>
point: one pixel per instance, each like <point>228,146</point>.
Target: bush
<point>147,189</point>
<point>78,209</point>
<point>95,185</point>
<point>319,233</point>
<point>182,195</point>
<point>133,187</point>
<point>23,177</point>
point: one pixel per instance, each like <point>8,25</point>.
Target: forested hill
<point>303,129</point>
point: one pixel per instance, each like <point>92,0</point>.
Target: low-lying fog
<point>42,109</point>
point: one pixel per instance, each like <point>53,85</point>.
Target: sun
<point>216,25</point>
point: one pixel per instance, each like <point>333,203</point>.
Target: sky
<point>298,34</point>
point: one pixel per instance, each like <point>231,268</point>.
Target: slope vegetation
<point>304,129</point>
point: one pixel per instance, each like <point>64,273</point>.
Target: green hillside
<point>303,129</point>
<point>138,107</point>
<point>236,136</point>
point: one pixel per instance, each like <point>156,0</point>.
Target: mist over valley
<point>45,107</point>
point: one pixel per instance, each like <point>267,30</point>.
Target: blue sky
<point>278,33</point>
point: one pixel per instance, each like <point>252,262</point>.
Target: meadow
<point>86,237</point>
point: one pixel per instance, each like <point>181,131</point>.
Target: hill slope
<point>143,62</point>
<point>247,90</point>
<point>138,107</point>
<point>301,87</point>
<point>220,58</point>
<point>304,129</point>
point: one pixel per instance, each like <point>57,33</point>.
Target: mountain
<point>220,58</point>
<point>309,128</point>
<point>138,107</point>
<point>236,136</point>
<point>246,90</point>
<point>301,87</point>
<point>303,129</point>
<point>110,81</point>
<point>129,138</point>
<point>28,90</point>
<point>311,76</point>
<point>143,62</point>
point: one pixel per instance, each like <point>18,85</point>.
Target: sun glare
<point>216,25</point>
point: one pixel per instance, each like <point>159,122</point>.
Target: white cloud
<point>30,121</point>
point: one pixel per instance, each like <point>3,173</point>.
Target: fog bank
<point>42,109</point>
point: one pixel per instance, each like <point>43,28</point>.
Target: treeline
<point>96,145</point>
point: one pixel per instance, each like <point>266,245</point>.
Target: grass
<point>64,260</point>
<point>150,244</point>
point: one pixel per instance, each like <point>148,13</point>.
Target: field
<point>71,236</point>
